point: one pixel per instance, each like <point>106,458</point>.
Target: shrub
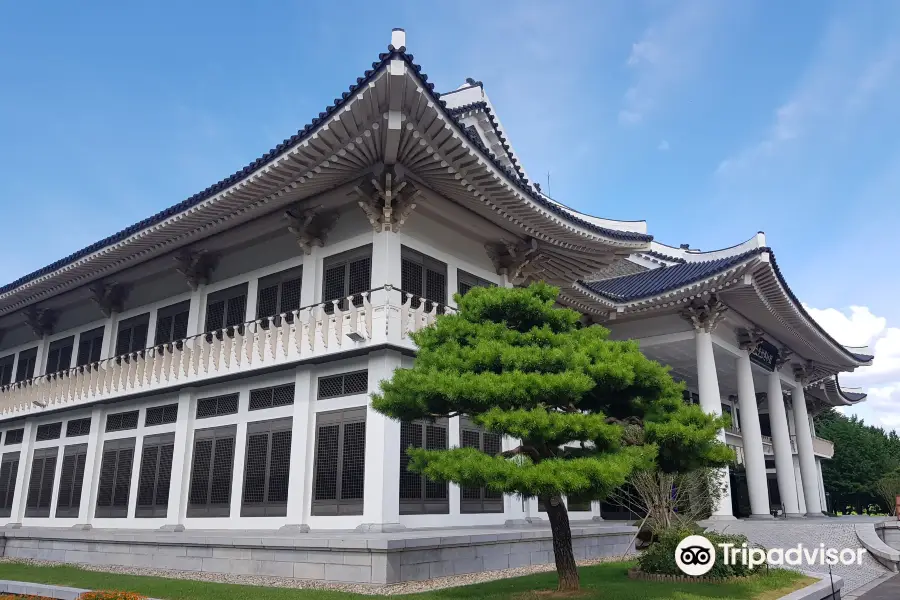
<point>659,558</point>
<point>110,595</point>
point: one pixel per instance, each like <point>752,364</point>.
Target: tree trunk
<point>566,569</point>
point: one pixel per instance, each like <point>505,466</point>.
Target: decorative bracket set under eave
<point>109,297</point>
<point>196,266</point>
<point>311,226</point>
<point>516,259</point>
<point>387,199</point>
<point>40,320</point>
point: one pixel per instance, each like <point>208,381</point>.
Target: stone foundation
<point>347,557</point>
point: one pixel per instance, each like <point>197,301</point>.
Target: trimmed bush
<point>659,558</point>
<point>110,595</point>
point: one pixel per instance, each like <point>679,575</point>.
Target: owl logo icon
<point>695,555</point>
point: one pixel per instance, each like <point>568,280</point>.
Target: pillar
<point>711,403</point>
<point>808,472</point>
<point>252,298</point>
<point>781,439</point>
<point>91,477</point>
<point>108,344</point>
<point>195,311</point>
<point>754,460</point>
<point>823,499</point>
<point>381,502</point>
<point>302,439</point>
<point>21,493</point>
<point>179,481</point>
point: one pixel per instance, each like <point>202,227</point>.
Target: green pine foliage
<point>588,410</point>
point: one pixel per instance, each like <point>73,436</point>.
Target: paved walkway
<point>833,532</point>
<point>887,589</point>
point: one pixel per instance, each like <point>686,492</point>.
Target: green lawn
<point>601,581</point>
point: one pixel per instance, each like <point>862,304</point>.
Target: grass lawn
<point>602,581</point>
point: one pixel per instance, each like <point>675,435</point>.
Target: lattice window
<point>155,476</point>
<point>339,472</point>
<point>48,431</point>
<point>122,421</point>
<point>40,483</point>
<point>281,395</point>
<point>423,277</point>
<point>78,427</point>
<point>217,406</point>
<point>343,384</point>
<point>481,499</point>
<point>71,480</point>
<point>25,368</point>
<point>267,469</point>
<point>14,436</point>
<point>6,369</point>
<point>211,472</point>
<point>59,356</point>
<point>9,469</point>
<point>579,502</point>
<point>161,415</point>
<point>90,347</point>
<point>466,281</point>
<point>171,323</point>
<point>346,274</point>
<point>418,494</point>
<point>115,478</point>
<point>132,335</point>
<point>279,293</point>
<point>226,309</point>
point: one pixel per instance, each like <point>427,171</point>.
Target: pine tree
<point>588,411</point>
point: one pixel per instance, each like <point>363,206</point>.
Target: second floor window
<point>25,368</point>
<point>59,355</point>
<point>466,281</point>
<point>6,369</point>
<point>347,274</point>
<point>90,346</point>
<point>423,277</point>
<point>132,335</point>
<point>226,308</point>
<point>279,293</point>
<point>172,323</point>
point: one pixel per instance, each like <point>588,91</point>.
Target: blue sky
<point>709,119</point>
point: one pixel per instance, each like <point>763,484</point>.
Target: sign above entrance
<point>765,355</point>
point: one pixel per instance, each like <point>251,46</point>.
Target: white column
<point>240,452</point>
<point>453,441</point>
<point>108,345</point>
<point>754,460</point>
<point>91,476</point>
<point>798,480</point>
<point>179,482</point>
<point>808,472</point>
<point>781,439</point>
<point>823,499</point>
<point>711,403</point>
<point>381,502</point>
<point>41,357</point>
<point>151,328</point>
<point>74,359</point>
<point>303,437</point>
<point>22,475</point>
<point>309,289</point>
<point>195,311</point>
<point>252,298</point>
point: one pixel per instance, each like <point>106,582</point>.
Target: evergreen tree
<point>587,411</point>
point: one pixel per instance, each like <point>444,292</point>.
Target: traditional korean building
<point>209,368</point>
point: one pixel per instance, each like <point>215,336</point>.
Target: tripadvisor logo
<point>695,555</point>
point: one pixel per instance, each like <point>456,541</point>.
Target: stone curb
<point>42,589</point>
<point>865,533</point>
<point>820,590</point>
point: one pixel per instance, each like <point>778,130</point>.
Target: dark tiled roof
<point>482,105</point>
<point>295,139</point>
<point>854,396</point>
<point>657,281</point>
<point>664,257</point>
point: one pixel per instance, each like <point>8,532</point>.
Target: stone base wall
<point>374,559</point>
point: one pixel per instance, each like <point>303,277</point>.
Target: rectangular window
<point>418,494</point>
<point>122,421</point>
<point>78,427</point>
<point>172,323</point>
<point>346,274</point>
<point>211,472</point>
<point>59,355</point>
<point>25,368</point>
<point>131,336</point>
<point>279,294</point>
<point>155,476</point>
<point>40,484</point>
<point>71,480</point>
<point>267,469</point>
<point>423,277</point>
<point>14,436</point>
<point>90,347</point>
<point>466,281</point>
<point>340,462</point>
<point>48,431</point>
<point>115,478</point>
<point>9,468</point>
<point>6,369</point>
<point>282,395</point>
<point>343,384</point>
<point>161,415</point>
<point>217,406</point>
<point>479,500</point>
<point>227,308</point>
<point>579,502</point>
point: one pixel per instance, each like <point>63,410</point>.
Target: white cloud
<point>860,327</point>
<point>668,54</point>
<point>663,146</point>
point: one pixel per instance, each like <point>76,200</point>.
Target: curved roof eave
<point>682,255</point>
<point>520,185</point>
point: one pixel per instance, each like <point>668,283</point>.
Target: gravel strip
<point>408,587</point>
